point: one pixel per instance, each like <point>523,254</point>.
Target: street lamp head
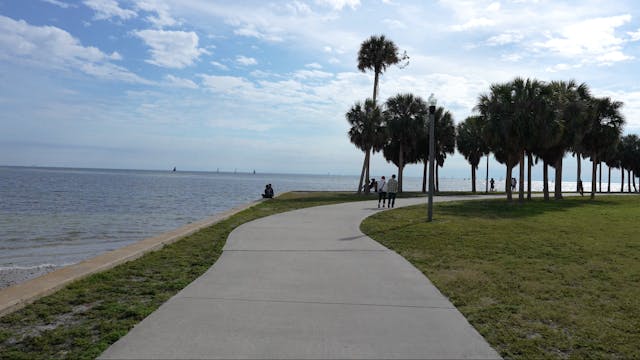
<point>432,103</point>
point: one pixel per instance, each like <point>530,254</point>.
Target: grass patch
<point>558,279</point>
<point>83,319</point>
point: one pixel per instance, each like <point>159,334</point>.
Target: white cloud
<point>246,61</point>
<point>591,40</point>
<point>220,65</point>
<point>162,18</point>
<point>49,46</point>
<point>495,6</point>
<point>511,57</point>
<point>394,24</point>
<point>107,9</point>
<point>314,66</point>
<point>180,82</point>
<point>227,84</point>
<point>505,38</point>
<point>334,60</point>
<point>250,30</point>
<point>310,74</point>
<point>340,4</point>
<point>634,36</point>
<point>560,67</point>
<point>172,49</point>
<point>59,3</point>
<point>473,24</point>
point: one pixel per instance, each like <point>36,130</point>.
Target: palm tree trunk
<point>529,161</point>
<point>375,84</point>
<point>507,184</point>
<point>594,169</point>
<point>400,167</point>
<point>473,179</point>
<point>545,180</point>
<point>609,180</point>
<point>579,167</point>
<point>364,166</point>
<point>634,181</point>
<point>486,180</point>
<point>600,176</point>
<point>366,176</point>
<point>558,186</point>
<point>521,185</point>
<point>628,180</point>
<point>622,184</point>
<point>424,178</point>
<point>437,180</point>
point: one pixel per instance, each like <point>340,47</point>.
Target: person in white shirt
<point>382,191</point>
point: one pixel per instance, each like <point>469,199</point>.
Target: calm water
<point>52,216</point>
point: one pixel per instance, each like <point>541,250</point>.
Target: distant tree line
<point>522,121</point>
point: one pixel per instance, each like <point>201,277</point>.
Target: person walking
<point>382,191</point>
<point>392,189</point>
<point>493,185</point>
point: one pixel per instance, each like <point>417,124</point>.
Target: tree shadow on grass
<point>501,209</point>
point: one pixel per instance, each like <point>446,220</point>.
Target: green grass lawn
<point>558,279</point>
<point>83,319</point>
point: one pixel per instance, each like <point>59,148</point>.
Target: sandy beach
<point>13,276</point>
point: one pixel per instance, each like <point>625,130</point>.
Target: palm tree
<point>606,127</point>
<point>405,116</point>
<point>629,148</point>
<point>569,101</point>
<point>611,157</point>
<point>367,133</point>
<point>377,53</point>
<point>471,144</point>
<point>445,136</point>
<point>541,129</point>
<point>501,132</point>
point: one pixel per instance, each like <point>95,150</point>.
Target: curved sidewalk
<point>307,284</point>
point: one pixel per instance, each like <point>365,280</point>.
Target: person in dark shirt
<point>268,192</point>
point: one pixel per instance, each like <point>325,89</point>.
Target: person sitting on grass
<point>268,192</point>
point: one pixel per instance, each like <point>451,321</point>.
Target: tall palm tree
<point>570,101</point>
<point>606,127</point>
<point>405,116</point>
<point>471,144</point>
<point>367,133</point>
<point>377,53</point>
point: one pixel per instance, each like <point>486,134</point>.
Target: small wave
<point>33,267</point>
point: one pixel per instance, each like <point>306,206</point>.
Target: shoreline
<point>14,276</point>
<point>27,285</point>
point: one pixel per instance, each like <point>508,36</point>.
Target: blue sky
<point>264,85</point>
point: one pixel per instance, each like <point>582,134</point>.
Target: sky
<point>265,85</point>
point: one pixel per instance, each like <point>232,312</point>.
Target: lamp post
<point>432,149</point>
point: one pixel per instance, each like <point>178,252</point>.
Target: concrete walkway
<point>307,284</point>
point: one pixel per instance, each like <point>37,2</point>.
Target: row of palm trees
<point>398,129</point>
<point>520,121</point>
<point>527,120</point>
